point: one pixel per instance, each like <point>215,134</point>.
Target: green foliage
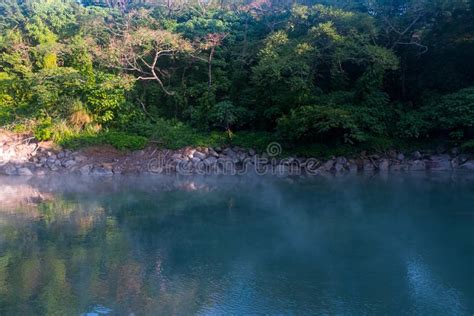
<point>44,130</point>
<point>327,74</point>
<point>453,112</point>
<point>321,123</point>
<point>468,146</point>
<point>174,134</point>
<point>119,140</point>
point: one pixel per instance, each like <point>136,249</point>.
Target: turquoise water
<point>394,245</point>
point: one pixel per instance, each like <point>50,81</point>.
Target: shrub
<point>468,146</point>
<point>320,122</point>
<point>453,112</point>
<point>44,130</point>
<point>119,140</point>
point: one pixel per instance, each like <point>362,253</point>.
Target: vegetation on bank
<point>318,76</point>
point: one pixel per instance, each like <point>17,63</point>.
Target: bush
<point>468,146</point>
<point>44,130</point>
<point>321,123</point>
<point>119,140</point>
<point>453,112</point>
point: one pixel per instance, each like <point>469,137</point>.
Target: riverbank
<point>21,155</point>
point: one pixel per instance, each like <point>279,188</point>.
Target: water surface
<point>355,245</point>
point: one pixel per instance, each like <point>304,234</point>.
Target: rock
<point>339,167</point>
<point>454,163</point>
<point>455,151</point>
<point>177,156</point>
<point>328,165</point>
<point>392,154</point>
<point>213,153</point>
<point>24,172</point>
<point>400,157</point>
<point>189,152</point>
<point>85,170</point>
<point>463,158</point>
<point>68,164</point>
<point>418,165</point>
<point>368,165</point>
<point>384,165</point>
<point>352,166</point>
<point>341,160</point>
<point>242,156</point>
<point>398,167</point>
<point>80,158</point>
<point>417,155</point>
<point>100,171</point>
<point>195,160</point>
<point>229,152</point>
<point>40,173</point>
<point>61,155</point>
<point>218,149</point>
<point>199,155</point>
<point>8,170</point>
<point>469,165</point>
<point>440,163</point>
<point>210,161</point>
<point>53,167</point>
<point>252,152</point>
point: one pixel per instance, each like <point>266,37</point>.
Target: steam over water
<point>394,245</point>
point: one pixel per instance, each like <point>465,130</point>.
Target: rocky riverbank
<point>23,156</point>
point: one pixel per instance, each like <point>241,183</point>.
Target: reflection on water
<point>398,245</point>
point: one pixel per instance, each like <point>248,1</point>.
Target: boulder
<point>80,158</point>
<point>341,160</point>
<point>199,155</point>
<point>100,171</point>
<point>469,165</point>
<point>85,170</point>
<point>384,165</point>
<point>352,166</point>
<point>399,167</point>
<point>440,163</point>
<point>229,152</point>
<point>417,155</point>
<point>400,157</point>
<point>24,172</point>
<point>213,153</point>
<point>69,163</point>
<point>418,165</point>
<point>368,165</point>
<point>339,167</point>
<point>8,170</point>
<point>328,165</point>
<point>54,167</point>
<point>210,160</point>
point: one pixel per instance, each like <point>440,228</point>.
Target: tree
<point>139,47</point>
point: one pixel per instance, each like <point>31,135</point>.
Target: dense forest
<point>369,74</point>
